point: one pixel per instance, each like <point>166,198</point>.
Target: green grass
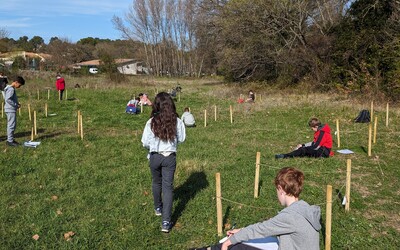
<point>100,187</point>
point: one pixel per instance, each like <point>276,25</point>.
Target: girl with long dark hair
<point>161,135</point>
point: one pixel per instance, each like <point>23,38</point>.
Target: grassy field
<point>99,189</point>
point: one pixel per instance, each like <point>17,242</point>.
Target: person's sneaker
<point>12,144</point>
<point>158,211</point>
<point>166,226</point>
<point>280,156</point>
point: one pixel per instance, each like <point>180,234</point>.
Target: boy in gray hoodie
<point>296,226</point>
<point>10,107</point>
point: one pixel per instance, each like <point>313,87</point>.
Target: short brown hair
<point>290,180</point>
<point>314,122</point>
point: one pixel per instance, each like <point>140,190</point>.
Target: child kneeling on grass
<point>321,146</point>
<point>297,226</point>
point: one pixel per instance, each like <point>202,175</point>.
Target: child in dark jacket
<point>321,146</point>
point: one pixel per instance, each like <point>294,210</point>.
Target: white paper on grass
<point>268,243</point>
<point>345,151</point>
<point>31,144</point>
<point>344,201</point>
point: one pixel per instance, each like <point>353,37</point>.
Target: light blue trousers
<point>11,125</point>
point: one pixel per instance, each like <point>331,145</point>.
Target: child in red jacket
<point>321,146</point>
<point>60,85</point>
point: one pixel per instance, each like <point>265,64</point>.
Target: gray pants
<point>11,125</point>
<point>162,171</point>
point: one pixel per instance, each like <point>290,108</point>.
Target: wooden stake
<point>48,94</point>
<point>66,94</point>
<point>205,118</point>
<point>38,94</point>
<point>19,111</point>
<point>387,114</point>
<point>257,177</point>
<point>375,128</point>
<point>45,109</point>
<point>32,134</point>
<point>141,107</point>
<point>328,220</point>
<point>81,126</point>
<point>338,133</point>
<point>215,112</point>
<point>348,184</point>
<point>255,97</point>
<point>372,110</point>
<point>219,203</point>
<point>179,96</point>
<point>29,111</point>
<point>79,123</point>
<point>34,122</point>
<point>59,95</point>
<point>231,112</point>
<point>369,139</point>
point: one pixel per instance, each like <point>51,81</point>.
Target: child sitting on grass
<point>321,146</point>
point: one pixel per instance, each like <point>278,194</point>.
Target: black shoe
<point>280,156</point>
<point>12,144</point>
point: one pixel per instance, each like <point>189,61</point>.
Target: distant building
<point>33,60</point>
<point>124,66</point>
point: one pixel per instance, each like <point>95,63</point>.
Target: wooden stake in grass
<point>29,111</point>
<point>38,94</point>
<point>231,113</point>
<point>375,128</point>
<point>59,95</point>
<point>215,112</point>
<point>328,220</point>
<point>205,118</point>
<point>219,203</point>
<point>179,96</point>
<point>45,109</point>
<point>79,123</point>
<point>32,134</point>
<point>338,133</point>
<point>141,107</point>
<point>257,177</point>
<point>387,114</point>
<point>81,126</point>
<point>34,122</point>
<point>19,111</point>
<point>369,139</point>
<point>372,110</point>
<point>348,184</point>
<point>48,94</point>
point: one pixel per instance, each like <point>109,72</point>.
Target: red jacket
<point>323,138</point>
<point>60,84</point>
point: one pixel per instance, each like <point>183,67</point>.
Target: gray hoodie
<point>10,99</point>
<point>296,227</point>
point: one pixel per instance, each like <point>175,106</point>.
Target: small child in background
<point>188,118</point>
<point>132,107</point>
<point>144,100</point>
<point>251,96</point>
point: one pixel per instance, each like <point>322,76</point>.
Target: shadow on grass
<point>187,191</point>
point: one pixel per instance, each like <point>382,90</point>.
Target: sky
<point>67,19</point>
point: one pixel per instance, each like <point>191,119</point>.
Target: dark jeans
<point>239,246</point>
<point>61,94</point>
<point>162,172</point>
<point>310,152</point>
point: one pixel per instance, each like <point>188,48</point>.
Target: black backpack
<point>363,117</point>
<point>3,83</point>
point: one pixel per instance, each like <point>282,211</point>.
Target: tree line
<point>353,45</point>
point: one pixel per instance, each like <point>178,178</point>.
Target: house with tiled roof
<point>124,66</point>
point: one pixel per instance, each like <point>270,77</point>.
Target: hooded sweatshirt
<point>322,138</point>
<point>296,227</point>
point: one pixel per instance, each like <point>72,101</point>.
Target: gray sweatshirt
<point>296,227</point>
<point>10,100</point>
